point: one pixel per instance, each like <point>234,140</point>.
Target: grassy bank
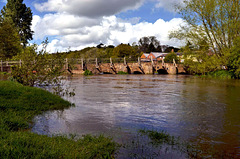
<point>18,106</point>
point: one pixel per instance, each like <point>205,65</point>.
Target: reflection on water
<point>203,112</point>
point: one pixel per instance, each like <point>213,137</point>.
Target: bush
<point>88,73</point>
<point>38,68</point>
<point>169,58</point>
<point>223,74</point>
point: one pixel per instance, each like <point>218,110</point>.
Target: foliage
<point>9,40</point>
<point>221,74</point>
<point>211,28</point>
<point>38,68</point>
<point>149,44</point>
<point>19,104</point>
<point>215,21</point>
<point>234,58</point>
<point>170,49</point>
<point>200,61</point>
<point>169,58</point>
<point>87,73</point>
<point>21,16</point>
<point>124,50</point>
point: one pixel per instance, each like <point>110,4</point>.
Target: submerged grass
<point>160,137</point>
<point>18,106</point>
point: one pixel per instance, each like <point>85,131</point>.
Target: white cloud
<point>82,23</point>
<point>88,8</point>
<point>60,25</point>
<point>79,32</point>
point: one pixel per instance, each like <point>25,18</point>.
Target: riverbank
<point>18,106</point>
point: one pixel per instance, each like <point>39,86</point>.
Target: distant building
<point>157,56</point>
<point>144,57</point>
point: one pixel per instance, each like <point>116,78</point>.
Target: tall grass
<point>18,106</point>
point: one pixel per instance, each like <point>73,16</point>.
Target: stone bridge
<point>140,67</point>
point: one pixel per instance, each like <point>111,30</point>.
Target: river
<point>204,113</point>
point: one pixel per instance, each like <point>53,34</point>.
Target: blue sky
<point>76,24</point>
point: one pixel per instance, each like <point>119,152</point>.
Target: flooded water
<point>204,113</point>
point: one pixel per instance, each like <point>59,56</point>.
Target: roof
<point>158,54</point>
<point>145,54</point>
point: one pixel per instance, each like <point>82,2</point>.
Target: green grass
<point>18,106</point>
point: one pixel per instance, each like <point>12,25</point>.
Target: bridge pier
<point>112,66</point>
<point>140,66</point>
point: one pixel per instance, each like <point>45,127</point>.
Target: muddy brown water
<point>202,112</point>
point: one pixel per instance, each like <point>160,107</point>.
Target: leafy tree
<point>38,68</point>
<point>111,46</point>
<point>9,40</point>
<point>124,50</point>
<point>171,48</point>
<point>200,61</point>
<point>21,16</point>
<point>169,58</point>
<point>101,45</point>
<point>234,59</point>
<point>149,44</point>
<point>212,25</point>
<point>216,21</point>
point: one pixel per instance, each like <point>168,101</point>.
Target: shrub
<point>88,73</point>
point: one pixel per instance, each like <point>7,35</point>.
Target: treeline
<point>144,45</point>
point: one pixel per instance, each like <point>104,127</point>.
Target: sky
<point>76,24</point>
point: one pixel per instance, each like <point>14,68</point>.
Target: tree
<point>211,26</point>
<point>38,68</point>
<point>169,58</point>
<point>170,49</point>
<point>21,16</point>
<point>9,40</point>
<point>149,44</point>
<point>234,59</point>
<point>124,50</point>
<point>216,21</point>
